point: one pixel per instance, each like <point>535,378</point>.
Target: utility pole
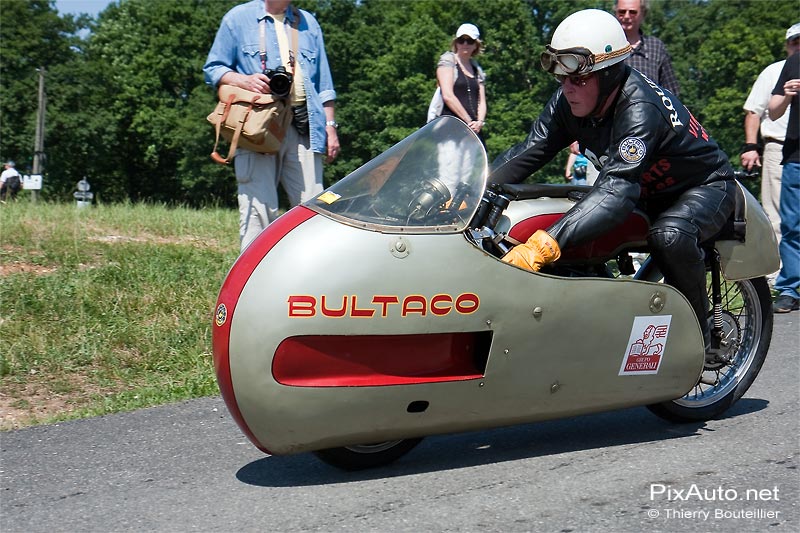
<point>38,149</point>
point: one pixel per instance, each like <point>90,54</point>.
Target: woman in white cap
<point>461,79</point>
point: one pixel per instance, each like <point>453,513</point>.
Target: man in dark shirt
<point>652,153</point>
<point>787,94</point>
<point>649,55</point>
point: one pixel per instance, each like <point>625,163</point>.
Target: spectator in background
<point>649,55</point>
<point>236,59</point>
<point>10,181</point>
<point>579,170</point>
<point>462,80</point>
<point>768,153</point>
<point>787,94</point>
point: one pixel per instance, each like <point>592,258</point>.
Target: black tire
<point>747,324</point>
<point>362,456</point>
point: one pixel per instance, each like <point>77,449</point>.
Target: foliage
<point>35,38</point>
<point>126,99</point>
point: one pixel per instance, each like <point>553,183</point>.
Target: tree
<point>127,101</point>
<point>153,54</point>
<point>32,36</point>
<point>718,52</point>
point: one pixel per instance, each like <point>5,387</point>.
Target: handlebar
<point>742,174</point>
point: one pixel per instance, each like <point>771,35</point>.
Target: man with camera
<point>295,70</point>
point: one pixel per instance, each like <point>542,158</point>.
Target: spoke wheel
<point>747,331</point>
<point>362,456</point>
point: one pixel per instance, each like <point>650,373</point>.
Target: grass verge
<point>107,308</point>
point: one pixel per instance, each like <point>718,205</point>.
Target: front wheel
<point>362,456</point>
<point>747,327</point>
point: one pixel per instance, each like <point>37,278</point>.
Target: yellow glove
<point>541,249</point>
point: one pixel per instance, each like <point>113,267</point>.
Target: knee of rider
<point>673,234</point>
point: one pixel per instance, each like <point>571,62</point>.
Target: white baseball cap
<point>793,32</point>
<point>470,30</point>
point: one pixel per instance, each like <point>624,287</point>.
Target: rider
<point>653,154</point>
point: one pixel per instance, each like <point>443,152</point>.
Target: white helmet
<point>586,41</point>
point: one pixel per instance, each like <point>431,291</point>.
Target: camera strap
<point>295,37</point>
<point>262,34</point>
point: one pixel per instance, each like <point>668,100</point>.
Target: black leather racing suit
<point>651,153</point>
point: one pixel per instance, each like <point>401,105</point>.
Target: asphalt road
<point>186,467</point>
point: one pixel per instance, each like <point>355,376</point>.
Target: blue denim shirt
<point>236,48</point>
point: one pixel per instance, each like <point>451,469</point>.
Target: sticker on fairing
<point>646,345</point>
<point>328,197</point>
<point>221,315</point>
<point>632,149</point>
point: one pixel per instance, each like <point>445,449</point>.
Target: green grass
<point>107,308</point>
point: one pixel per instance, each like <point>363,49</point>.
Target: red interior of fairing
<point>376,360</point>
<point>631,233</point>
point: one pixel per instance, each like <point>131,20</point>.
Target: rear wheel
<point>747,332</point>
<point>362,456</point>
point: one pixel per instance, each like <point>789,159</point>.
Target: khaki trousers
<point>296,167</point>
<point>771,170</point>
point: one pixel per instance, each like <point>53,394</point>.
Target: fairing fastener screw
<point>657,301</point>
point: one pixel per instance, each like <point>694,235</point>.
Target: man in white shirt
<point>10,181</point>
<point>773,133</point>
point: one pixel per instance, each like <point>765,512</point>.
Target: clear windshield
<point>431,181</point>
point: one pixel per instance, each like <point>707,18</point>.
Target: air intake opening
<point>418,406</point>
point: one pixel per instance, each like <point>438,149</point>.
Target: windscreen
<point>431,181</point>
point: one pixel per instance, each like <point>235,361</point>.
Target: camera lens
<point>280,82</point>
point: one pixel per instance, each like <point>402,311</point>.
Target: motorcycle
<point>380,312</point>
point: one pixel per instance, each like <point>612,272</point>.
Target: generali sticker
<point>646,345</point>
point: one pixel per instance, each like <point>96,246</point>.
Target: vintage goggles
<point>572,60</point>
<point>576,60</point>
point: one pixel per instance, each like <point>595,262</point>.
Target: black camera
<point>280,81</point>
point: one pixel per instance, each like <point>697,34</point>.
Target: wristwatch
<point>332,123</point>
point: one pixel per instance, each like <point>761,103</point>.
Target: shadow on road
<point>463,450</point>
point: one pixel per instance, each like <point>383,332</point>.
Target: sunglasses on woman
<point>465,40</point>
<point>571,60</point>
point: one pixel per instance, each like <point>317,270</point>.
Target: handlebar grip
<point>743,174</point>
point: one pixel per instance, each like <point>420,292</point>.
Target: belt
<point>771,140</point>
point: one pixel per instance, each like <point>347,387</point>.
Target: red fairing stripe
<point>229,294</point>
<point>376,360</point>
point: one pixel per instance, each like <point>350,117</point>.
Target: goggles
<point>576,60</point>
<point>572,60</point>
